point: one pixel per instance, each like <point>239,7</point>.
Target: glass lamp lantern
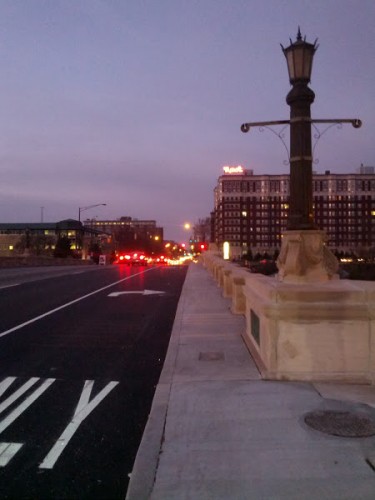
<point>299,56</point>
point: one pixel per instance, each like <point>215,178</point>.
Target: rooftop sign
<point>239,170</point>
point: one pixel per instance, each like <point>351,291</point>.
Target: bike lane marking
<point>81,412</point>
<point>7,383</point>
<point>8,450</point>
<point>23,406</point>
<point>48,313</point>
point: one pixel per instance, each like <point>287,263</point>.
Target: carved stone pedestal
<point>304,257</point>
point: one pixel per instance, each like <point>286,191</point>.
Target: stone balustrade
<point>305,331</point>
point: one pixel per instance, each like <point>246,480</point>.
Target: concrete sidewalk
<point>217,431</point>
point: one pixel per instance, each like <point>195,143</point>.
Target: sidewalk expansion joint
<point>370,463</point>
<point>211,356</point>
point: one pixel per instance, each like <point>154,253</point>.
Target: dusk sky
<point>138,103</point>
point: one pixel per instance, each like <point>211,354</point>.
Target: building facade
<point>251,211</point>
<point>40,238</point>
<point>109,236</point>
<point>130,234</point>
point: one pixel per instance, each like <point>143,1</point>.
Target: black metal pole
<point>301,216</point>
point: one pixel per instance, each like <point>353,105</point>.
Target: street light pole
<point>81,209</point>
<point>304,256</point>
<point>299,56</point>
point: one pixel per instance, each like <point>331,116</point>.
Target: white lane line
<point>48,313</point>
<point>7,452</point>
<point>83,410</point>
<point>23,406</point>
<point>137,292</point>
<point>8,286</point>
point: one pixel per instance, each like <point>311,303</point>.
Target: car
<point>161,259</point>
<point>134,258</point>
<point>264,266</point>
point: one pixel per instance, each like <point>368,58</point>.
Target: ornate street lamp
<point>304,255</point>
<point>299,56</point>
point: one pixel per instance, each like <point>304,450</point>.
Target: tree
<point>62,248</point>
<point>248,255</point>
<point>35,244</point>
<point>95,251</point>
<point>202,229</point>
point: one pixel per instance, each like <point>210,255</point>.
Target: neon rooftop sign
<point>233,170</point>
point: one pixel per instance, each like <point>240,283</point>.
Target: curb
<point>143,475</point>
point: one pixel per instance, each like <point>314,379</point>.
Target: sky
<point>138,103</point>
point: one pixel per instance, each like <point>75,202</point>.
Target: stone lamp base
<point>304,257</point>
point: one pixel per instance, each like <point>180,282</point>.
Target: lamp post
<point>299,56</point>
<point>304,256</point>
<point>82,209</point>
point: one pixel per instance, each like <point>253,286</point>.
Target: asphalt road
<point>81,351</point>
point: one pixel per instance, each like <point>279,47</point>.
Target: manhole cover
<point>341,423</point>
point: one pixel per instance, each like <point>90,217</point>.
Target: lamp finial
<point>299,36</point>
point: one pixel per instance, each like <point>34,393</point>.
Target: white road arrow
<point>138,292</point>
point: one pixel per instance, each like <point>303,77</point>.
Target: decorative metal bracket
<point>356,123</point>
<point>245,127</point>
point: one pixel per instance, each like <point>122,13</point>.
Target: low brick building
<point>40,238</point>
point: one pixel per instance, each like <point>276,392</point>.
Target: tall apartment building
<point>250,211</point>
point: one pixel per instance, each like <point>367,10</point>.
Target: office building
<point>130,234</point>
